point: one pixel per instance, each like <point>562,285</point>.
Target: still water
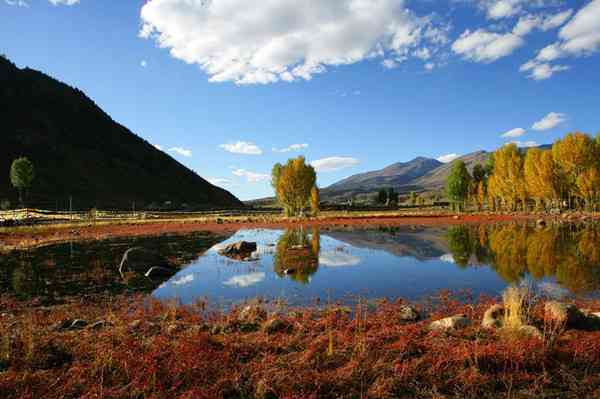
<point>333,264</point>
<point>409,262</point>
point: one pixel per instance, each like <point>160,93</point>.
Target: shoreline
<point>34,236</point>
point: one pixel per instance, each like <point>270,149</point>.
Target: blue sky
<point>353,85</point>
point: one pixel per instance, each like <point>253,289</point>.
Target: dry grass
<point>517,309</point>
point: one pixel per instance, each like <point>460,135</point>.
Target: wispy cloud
<point>293,147</point>
<point>143,63</point>
<point>184,152</point>
<point>448,158</point>
<point>64,2</point>
<point>251,177</point>
<point>17,3</point>
<point>333,164</point>
<point>158,147</point>
<point>183,280</point>
<point>242,147</point>
<point>549,121</point>
<point>218,181</point>
<point>338,259</point>
<point>245,280</point>
<point>517,132</point>
<point>525,144</point>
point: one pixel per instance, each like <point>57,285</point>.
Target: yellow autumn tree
<point>509,182</point>
<point>574,154</point>
<point>294,185</point>
<point>315,201</point>
<point>588,187</point>
<point>540,176</point>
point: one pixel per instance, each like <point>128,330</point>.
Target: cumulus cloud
<point>242,147</point>
<point>245,280</point>
<point>268,41</point>
<point>549,121</point>
<point>484,46</point>
<point>184,152</point>
<point>518,132</point>
<point>503,8</point>
<point>183,280</point>
<point>448,158</point>
<point>251,177</point>
<point>337,259</point>
<point>544,23</point>
<point>579,37</point>
<point>333,164</point>
<point>525,144</point>
<point>290,148</point>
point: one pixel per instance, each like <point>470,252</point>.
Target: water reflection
<point>569,254</point>
<point>297,254</point>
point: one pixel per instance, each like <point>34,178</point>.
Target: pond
<point>302,266</point>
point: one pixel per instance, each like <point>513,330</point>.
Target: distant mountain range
<point>421,174</point>
<point>79,151</point>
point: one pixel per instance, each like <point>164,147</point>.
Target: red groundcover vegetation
<point>132,347</point>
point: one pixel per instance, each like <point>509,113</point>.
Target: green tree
<point>382,196</point>
<point>275,174</point>
<point>478,174</point>
<point>457,186</point>
<point>392,196</point>
<point>413,198</point>
<point>294,184</point>
<point>21,176</point>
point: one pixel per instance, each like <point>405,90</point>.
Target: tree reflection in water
<point>297,254</point>
<point>568,253</point>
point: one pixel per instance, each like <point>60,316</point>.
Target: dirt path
<point>32,237</point>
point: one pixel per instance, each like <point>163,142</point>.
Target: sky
<point>230,87</point>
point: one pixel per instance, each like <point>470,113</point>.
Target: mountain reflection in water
<point>300,265</point>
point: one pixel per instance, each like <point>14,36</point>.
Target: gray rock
<point>450,323</point>
<point>239,250</point>
<point>408,313</point>
<point>273,326</point>
<point>252,314</point>
<point>492,318</point>
<point>530,331</point>
<point>99,325</point>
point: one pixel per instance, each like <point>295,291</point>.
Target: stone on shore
<point>450,323</point>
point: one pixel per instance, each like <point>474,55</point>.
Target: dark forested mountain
<point>79,151</point>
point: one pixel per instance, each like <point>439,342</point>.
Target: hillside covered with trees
<point>78,151</point>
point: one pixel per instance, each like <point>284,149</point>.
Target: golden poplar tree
<point>294,185</point>
<point>315,201</point>
<point>509,182</point>
<point>575,153</point>
<point>588,186</point>
<point>540,176</point>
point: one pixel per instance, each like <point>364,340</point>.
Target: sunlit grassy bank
<point>134,348</point>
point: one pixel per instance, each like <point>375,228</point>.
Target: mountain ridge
<point>79,151</point>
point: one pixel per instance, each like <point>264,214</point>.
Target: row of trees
<point>295,185</point>
<point>567,175</point>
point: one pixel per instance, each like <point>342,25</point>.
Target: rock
<point>275,325</point>
<point>69,324</point>
<point>450,323</point>
<point>408,313</point>
<point>563,313</point>
<point>159,272</point>
<point>540,223</point>
<point>141,259</point>
<point>78,324</point>
<point>492,318</point>
<point>241,247</point>
<point>99,325</point>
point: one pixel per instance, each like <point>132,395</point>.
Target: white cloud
<point>544,23</point>
<point>503,8</point>
<point>144,63</point>
<point>184,152</point>
<point>242,147</point>
<point>525,144</point>
<point>448,158</point>
<point>518,132</point>
<point>390,64</point>
<point>64,2</point>
<point>484,46</point>
<point>218,181</point>
<point>541,70</point>
<point>251,177</point>
<point>423,53</point>
<point>448,258</point>
<point>245,280</point>
<point>333,164</point>
<point>550,121</point>
<point>250,42</point>
<point>158,147</point>
<point>293,147</point>
<point>183,280</point>
<point>429,66</point>
<point>17,3</point>
<point>337,259</point>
